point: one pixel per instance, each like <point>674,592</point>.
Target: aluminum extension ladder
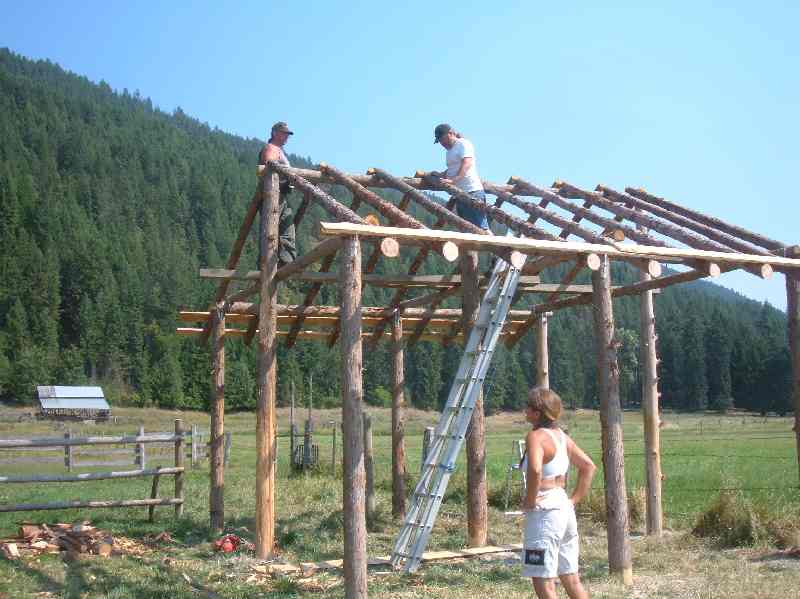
<point>454,421</point>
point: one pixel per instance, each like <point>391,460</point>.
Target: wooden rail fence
<point>177,440</point>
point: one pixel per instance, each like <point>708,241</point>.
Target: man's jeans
<point>473,215</point>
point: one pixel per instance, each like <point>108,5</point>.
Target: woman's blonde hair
<point>547,402</point>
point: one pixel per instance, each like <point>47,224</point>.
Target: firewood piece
<point>10,550</point>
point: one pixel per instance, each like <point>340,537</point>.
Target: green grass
<point>700,454</point>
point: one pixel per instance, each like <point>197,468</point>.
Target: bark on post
<point>793,314</point>
<point>652,435</point>
<point>353,475</point>
<point>619,549</point>
<point>216,500</point>
<point>398,440</point>
<point>180,451</point>
<point>477,501</point>
<point>267,376</point>
<point>542,356</point>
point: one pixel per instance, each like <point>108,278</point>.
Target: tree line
<point>109,206</point>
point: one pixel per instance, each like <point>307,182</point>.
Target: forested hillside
<point>108,207</point>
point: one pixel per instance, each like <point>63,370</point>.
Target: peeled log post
<point>542,357</point>
<point>398,441</point>
<point>216,462</point>
<point>652,434</point>
<point>353,473</point>
<point>793,316</point>
<point>477,499</point>
<point>619,549</point>
<point>267,369</point>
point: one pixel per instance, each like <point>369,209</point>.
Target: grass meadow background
<point>738,470</point>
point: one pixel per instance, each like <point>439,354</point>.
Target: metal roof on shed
<point>72,398</point>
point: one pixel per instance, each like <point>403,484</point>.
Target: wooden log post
<point>650,415</point>
<point>398,433</point>
<point>267,368</point>
<point>369,470</point>
<point>477,497</point>
<point>793,315</point>
<point>427,439</point>
<point>292,430</point>
<point>151,509</point>
<point>542,355</point>
<point>619,549</point>
<point>141,457</point>
<point>180,448</point>
<point>195,436</point>
<point>353,476</point>
<point>68,452</point>
<point>216,498</point>
<point>333,448</point>
<point>308,440</point>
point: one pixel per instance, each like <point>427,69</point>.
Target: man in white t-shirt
<point>462,171</point>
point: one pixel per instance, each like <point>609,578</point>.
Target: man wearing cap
<point>273,151</point>
<point>462,172</point>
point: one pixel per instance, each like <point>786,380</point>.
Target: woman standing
<point>550,546</point>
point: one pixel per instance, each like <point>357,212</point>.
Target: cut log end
<point>512,180</point>
<point>389,247</point>
<point>260,170</point>
<point>714,270</point>
<point>766,271</point>
<point>592,261</point>
<point>371,219</point>
<point>420,174</point>
<point>449,251</point>
<point>654,268</point>
<point>371,170</point>
<point>517,259</point>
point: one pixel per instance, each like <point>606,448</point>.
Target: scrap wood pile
<point>75,539</point>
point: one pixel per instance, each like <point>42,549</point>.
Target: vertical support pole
<point>369,469</point>
<point>179,458</point>
<point>353,475</point>
<point>216,497</point>
<point>141,459</point>
<point>793,315</point>
<point>652,434</point>
<point>267,366</point>
<point>398,434</point>
<point>68,452</point>
<point>291,428</point>
<point>151,509</point>
<point>619,548</point>
<point>542,356</point>
<point>307,442</point>
<point>195,435</point>
<point>427,439</point>
<point>477,498</point>
<point>333,449</point>
<point>228,442</point>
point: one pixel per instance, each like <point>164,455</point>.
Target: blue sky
<point>697,101</point>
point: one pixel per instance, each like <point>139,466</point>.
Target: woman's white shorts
<point>550,546</point>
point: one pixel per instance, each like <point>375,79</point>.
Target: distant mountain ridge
<point>108,206</point>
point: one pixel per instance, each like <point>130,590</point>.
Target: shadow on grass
<point>44,581</point>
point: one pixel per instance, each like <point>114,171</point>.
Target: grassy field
<point>751,456</point>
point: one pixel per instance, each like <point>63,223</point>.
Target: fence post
<point>194,446</point>
<point>228,441</point>
<point>333,449</point>
<point>369,467</point>
<point>179,458</point>
<point>307,441</point>
<point>141,460</point>
<point>68,452</point>
<point>427,436</point>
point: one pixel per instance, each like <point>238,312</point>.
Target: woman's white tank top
<point>559,465</point>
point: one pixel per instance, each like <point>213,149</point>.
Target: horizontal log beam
<point>63,442</point>
<point>545,247</point>
<point>66,505</point>
<point>84,476</point>
<point>306,334</point>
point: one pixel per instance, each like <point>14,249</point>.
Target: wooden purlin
<point>741,233</point>
<point>650,222</point>
<point>711,233</point>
